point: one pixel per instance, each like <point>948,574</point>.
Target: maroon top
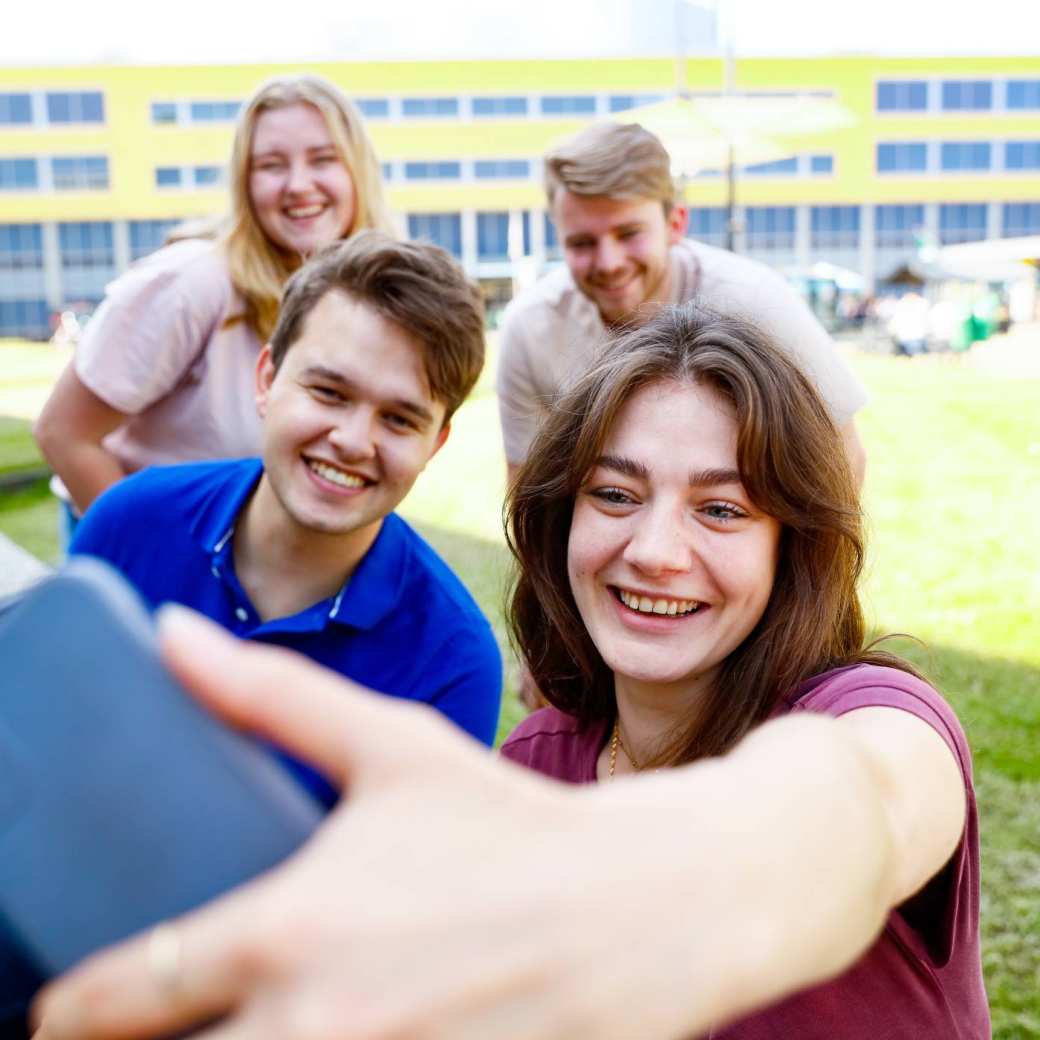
<point>922,978</point>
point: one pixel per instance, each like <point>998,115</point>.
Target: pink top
<point>158,350</point>
<point>922,978</point>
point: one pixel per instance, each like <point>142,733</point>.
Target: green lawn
<point>952,498</point>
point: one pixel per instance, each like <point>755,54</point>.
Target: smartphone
<point>122,801</point>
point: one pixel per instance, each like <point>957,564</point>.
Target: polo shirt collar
<point>376,587</point>
<point>214,523</point>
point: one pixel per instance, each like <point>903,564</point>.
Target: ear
<point>677,221</point>
<point>441,438</point>
<point>265,373</point>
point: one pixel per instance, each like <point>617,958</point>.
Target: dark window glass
<point>708,224</point>
<point>426,108</point>
<point>442,229</point>
<point>552,241</point>
<point>207,176</point>
<point>15,108</point>
<point>526,222</point>
<point>770,227</point>
<point>164,112</point>
<point>834,227</point>
<point>214,111</point>
<point>18,175</point>
<point>821,164</point>
<point>776,168</point>
<point>902,157</point>
<point>507,169</point>
<point>1022,155</point>
<point>967,94</point>
<point>896,225</point>
<point>425,171</point>
<point>568,105</point>
<point>962,222</point>
<point>75,107</point>
<point>623,102</point>
<point>1019,218</point>
<point>146,236</point>
<point>965,155</point>
<point>902,95</point>
<point>373,108</point>
<point>493,236</point>
<point>86,244</point>
<point>21,247</point>
<point>1023,93</point>
<point>80,172</point>
<point>167,176</point>
<point>28,318</point>
<point>491,107</point>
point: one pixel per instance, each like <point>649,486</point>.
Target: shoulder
<point>193,270</point>
<point>843,690</point>
<point>555,744</point>
<point>734,278</point>
<point>550,299</point>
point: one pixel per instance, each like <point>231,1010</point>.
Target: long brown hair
<point>793,466</point>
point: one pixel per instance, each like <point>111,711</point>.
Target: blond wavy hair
<point>258,268</point>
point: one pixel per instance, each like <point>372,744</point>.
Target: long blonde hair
<point>258,268</point>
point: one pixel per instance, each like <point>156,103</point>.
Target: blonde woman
<point>164,372</point>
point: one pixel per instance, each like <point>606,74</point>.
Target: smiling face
<point>300,189</point>
<point>617,249</point>
<point>349,421</point>
<point>670,563</point>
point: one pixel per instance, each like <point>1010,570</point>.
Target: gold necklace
<point>615,741</point>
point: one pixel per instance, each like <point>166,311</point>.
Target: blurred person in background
<point>164,371</point>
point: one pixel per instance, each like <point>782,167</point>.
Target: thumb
<point>334,724</point>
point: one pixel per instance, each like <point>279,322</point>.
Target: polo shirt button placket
<point>241,613</point>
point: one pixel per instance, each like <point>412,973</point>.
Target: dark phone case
<point>122,802</point>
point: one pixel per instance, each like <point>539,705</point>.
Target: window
<point>552,241</point>
<point>1020,218</point>
<point>902,157</point>
<point>909,95</point>
<point>76,107</point>
<point>80,173</point>
<point>373,108</point>
<point>777,168</point>
<point>708,224</point>
<point>28,318</point>
<point>835,227</point>
<point>15,109</point>
<point>966,155</point>
<point>442,229</point>
<point>387,170</point>
<point>430,108</point>
<point>207,176</point>
<point>164,112</point>
<point>493,236</point>
<point>973,95</point>
<point>18,175</point>
<point>770,227</point>
<point>494,107</point>
<point>146,236</point>
<point>1022,155</point>
<point>1021,93</point>
<point>21,247</point>
<point>821,164</point>
<point>502,169</point>
<point>214,111</point>
<point>432,171</point>
<point>568,105</point>
<point>525,223</point>
<point>623,102</point>
<point>86,244</point>
<point>895,226</point>
<point>167,176</point>
<point>962,222</point>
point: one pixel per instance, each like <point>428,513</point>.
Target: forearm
<point>757,874</point>
<point>86,469</point>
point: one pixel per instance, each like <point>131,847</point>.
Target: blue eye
<point>724,512</point>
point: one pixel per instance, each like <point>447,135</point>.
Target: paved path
<point>18,568</point>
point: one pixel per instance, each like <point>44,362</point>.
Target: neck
<point>285,567</point>
<point>650,714</point>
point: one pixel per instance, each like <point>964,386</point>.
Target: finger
<point>323,718</point>
<point>121,993</point>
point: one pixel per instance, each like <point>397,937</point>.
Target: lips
<point>660,605</point>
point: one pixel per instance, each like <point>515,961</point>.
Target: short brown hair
<point>793,465</point>
<point>415,285</point>
<point>615,160</point>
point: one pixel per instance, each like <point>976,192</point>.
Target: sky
<point>229,31</point>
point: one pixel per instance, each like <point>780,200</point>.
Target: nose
<point>609,254</point>
<point>353,435</point>
<point>661,542</point>
<point>299,178</point>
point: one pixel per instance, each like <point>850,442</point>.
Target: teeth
<point>304,211</point>
<point>645,605</point>
<point>335,476</point>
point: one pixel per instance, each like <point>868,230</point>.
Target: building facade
<point>98,163</point>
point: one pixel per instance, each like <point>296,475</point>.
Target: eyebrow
<point>414,408</point>
<point>697,478</point>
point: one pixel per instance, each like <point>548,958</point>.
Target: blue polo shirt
<point>403,623</point>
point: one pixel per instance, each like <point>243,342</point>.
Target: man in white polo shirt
<point>613,200</point>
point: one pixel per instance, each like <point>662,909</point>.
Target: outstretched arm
<point>451,894</point>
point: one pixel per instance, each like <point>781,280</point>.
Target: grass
<point>952,496</point>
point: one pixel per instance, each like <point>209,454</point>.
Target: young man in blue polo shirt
<point>377,343</point>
